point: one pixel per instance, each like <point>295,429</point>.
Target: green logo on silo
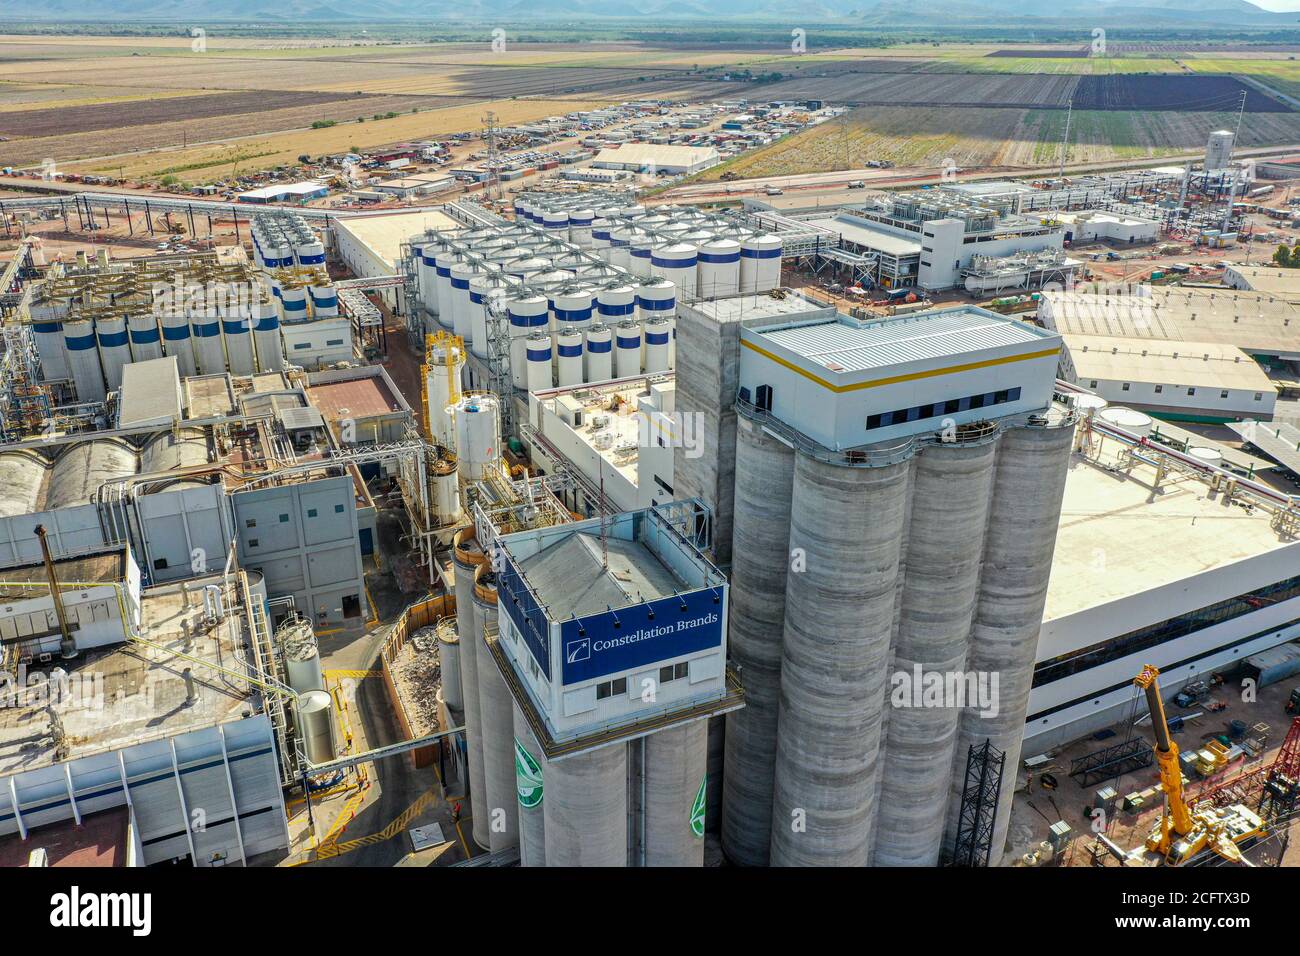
<point>528,777</point>
<point>697,808</point>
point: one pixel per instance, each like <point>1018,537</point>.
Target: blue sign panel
<point>639,636</point>
<point>528,618</point>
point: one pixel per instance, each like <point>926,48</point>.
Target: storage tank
<point>205,337</point>
<point>47,330</point>
<point>496,716</point>
<point>444,259</point>
<point>266,336</point>
<point>760,263</point>
<point>301,656</point>
<point>639,254</point>
<point>478,436</point>
<point>528,267</point>
<point>580,221</point>
<point>530,768</point>
<point>568,351</point>
<point>719,268</point>
<point>293,300</point>
<point>1130,420</point>
<point>616,303</point>
<point>658,334</point>
<point>237,333</point>
<point>485,290</point>
<point>114,348</point>
<point>446,358</point>
<point>674,770</point>
<point>585,808</point>
<point>146,341</point>
<point>324,300</point>
<point>555,220</point>
<point>1218,150</point>
<point>1206,455</point>
<point>453,693</point>
<point>21,476</point>
<point>176,339</point>
<point>571,308</point>
<point>627,351</point>
<point>171,450</point>
<point>1089,405</point>
<point>598,353</point>
<point>446,490</point>
<point>467,557</point>
<point>527,314</point>
<point>600,238</point>
<point>620,246</point>
<point>308,254</point>
<point>315,719</point>
<point>656,298</point>
<point>461,274</point>
<point>83,467</point>
<point>538,353</point>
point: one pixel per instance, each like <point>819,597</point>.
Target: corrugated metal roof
<point>845,347</point>
<point>571,578</point>
<point>1278,440</point>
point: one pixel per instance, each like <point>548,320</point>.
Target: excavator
<point>1184,832</point>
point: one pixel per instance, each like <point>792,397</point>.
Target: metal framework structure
<point>1113,761</point>
<point>979,806</point>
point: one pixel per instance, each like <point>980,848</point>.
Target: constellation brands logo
<point>75,910</point>
<point>920,688</point>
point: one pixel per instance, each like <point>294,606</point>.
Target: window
<point>338,509</point>
<point>1259,396</point>
<point>160,564</point>
<point>610,688</point>
<point>311,512</point>
<point>250,523</point>
<point>1159,389</point>
<point>302,345</point>
<point>1223,394</point>
<point>672,672</point>
<point>333,341</point>
<point>1093,383</point>
<point>252,542</point>
<point>937,409</point>
<point>284,519</point>
<point>1124,387</point>
<point>1191,391</point>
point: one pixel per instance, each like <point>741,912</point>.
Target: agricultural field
<point>1011,139</point>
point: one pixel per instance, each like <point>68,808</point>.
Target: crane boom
<point>1179,819</point>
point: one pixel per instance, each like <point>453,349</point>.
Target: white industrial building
<point>371,246</point>
<point>1269,280</point>
<point>1094,225</point>
<point>657,158</point>
<point>1188,381</point>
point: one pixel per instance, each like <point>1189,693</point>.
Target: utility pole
<point>1065,140</point>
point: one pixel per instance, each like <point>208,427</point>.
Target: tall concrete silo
<point>499,800</point>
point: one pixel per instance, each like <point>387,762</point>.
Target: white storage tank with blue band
<point>760,263</point>
<point>616,303</point>
<point>83,360</point>
<point>600,230</point>
<point>205,336</point>
<point>657,297</point>
<point>324,300</point>
<point>599,353</point>
<point>580,221</point>
<point>719,269</point>
<point>237,331</point>
<point>528,314</point>
<point>627,349</point>
<point>461,273</point>
<point>658,335</point>
<point>310,254</point>
<point>146,340</point>
<point>640,253</point>
<point>538,352</point>
<point>528,267</point>
<point>676,263</point>
<point>266,336</point>
<point>556,221</point>
<point>176,338</point>
<point>114,348</point>
<point>572,308</point>
<point>47,330</point>
<point>620,247</point>
<point>293,305</point>
<point>485,291</point>
<point>445,259</point>
<point>568,357</point>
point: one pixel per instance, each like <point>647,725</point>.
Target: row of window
<point>1170,629</point>
<point>298,346</point>
<point>1223,392</point>
<point>939,409</point>
<point>618,687</point>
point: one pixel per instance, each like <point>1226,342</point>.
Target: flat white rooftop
<point>1198,364</point>
<point>384,234</point>
<point>1118,537</point>
<point>874,238</point>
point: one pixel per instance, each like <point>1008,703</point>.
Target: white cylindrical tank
<point>301,657</point>
<point>266,336</point>
<point>446,492</point>
<point>616,303</point>
<point>442,384</point>
<point>114,348</point>
<point>676,263</point>
<point>449,664</point>
<point>237,333</point>
<point>538,352</point>
<point>527,314</point>
<point>600,230</point>
<point>1206,456</point>
<point>620,246</point>
<point>571,309</point>
<point>1129,419</point>
<point>176,339</point>
<point>760,263</point>
<point>555,220</point>
<point>461,274</point>
<point>293,302</point>
<point>315,718</point>
<point>598,353</point>
<point>443,261</point>
<point>485,289</point>
<point>580,221</point>
<point>309,254</point>
<point>83,360</point>
<point>656,298</point>
<point>205,336</point>
<point>146,340</point>
<point>1218,150</point>
<point>658,334</point>
<point>324,300</point>
<point>478,436</point>
<point>640,253</point>
<point>568,357</point>
<point>47,330</point>
<point>528,267</point>
<point>718,271</point>
<point>627,352</point>
<point>1089,405</point>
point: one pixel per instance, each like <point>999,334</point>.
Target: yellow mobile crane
<point>1183,832</point>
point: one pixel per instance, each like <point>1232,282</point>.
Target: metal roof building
<point>660,157</point>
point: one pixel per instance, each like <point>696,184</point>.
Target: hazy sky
<point>1278,5</point>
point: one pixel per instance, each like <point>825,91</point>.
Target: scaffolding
<point>979,806</point>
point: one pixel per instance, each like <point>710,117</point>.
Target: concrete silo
<point>673,773</point>
<point>530,786</point>
<point>467,558</point>
<point>760,562</point>
<point>499,800</point>
<point>83,359</point>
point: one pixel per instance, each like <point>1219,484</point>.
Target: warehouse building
<point>1095,225</point>
<point>371,246</point>
<point>1181,381</point>
<point>285,192</point>
<point>655,158</point>
<point>414,187</point>
<point>1269,280</point>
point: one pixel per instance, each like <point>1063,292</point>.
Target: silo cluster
<point>587,283</point>
<point>928,554</point>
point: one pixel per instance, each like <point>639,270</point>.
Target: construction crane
<point>1184,832</point>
